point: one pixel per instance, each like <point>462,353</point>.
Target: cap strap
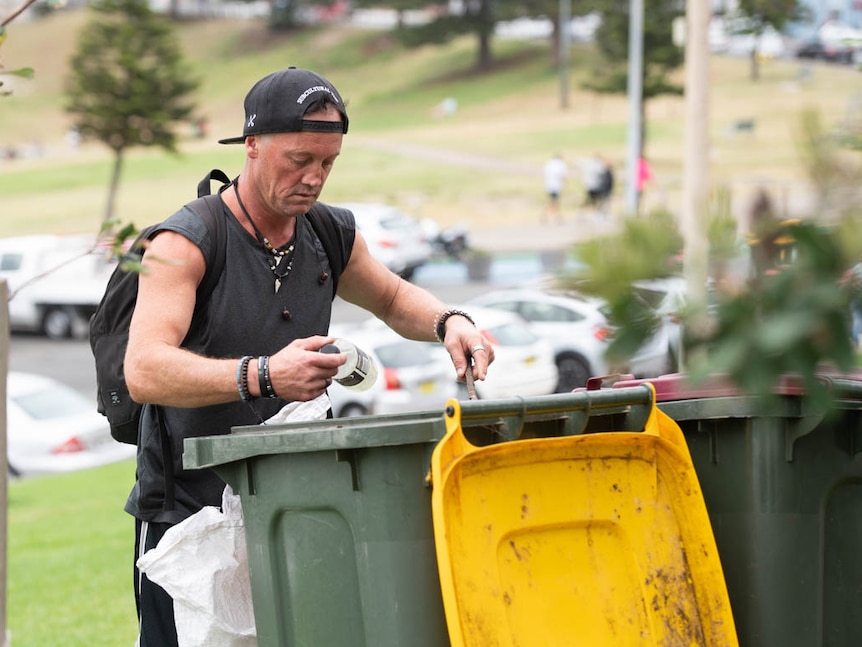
<point>324,126</point>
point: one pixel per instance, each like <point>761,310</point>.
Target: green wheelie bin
<point>338,515</point>
<point>783,488</point>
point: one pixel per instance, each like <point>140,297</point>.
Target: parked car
<point>412,375</point>
<point>524,361</point>
<point>825,51</point>
<point>579,333</point>
<point>53,428</point>
<point>56,283</point>
<point>667,297</point>
<point>394,238</point>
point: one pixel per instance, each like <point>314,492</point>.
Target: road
<point>71,362</point>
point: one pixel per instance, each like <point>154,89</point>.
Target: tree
<point>754,17</point>
<point>477,17</point>
<point>24,72</point>
<point>128,84</point>
<point>660,55</point>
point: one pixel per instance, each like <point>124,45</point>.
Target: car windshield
<point>394,220</point>
<point>404,353</point>
<point>49,404</point>
<point>653,297</point>
<point>512,334</point>
<point>549,313</point>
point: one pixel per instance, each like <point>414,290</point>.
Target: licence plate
<point>427,387</point>
<point>530,360</point>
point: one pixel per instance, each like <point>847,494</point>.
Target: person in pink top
<point>644,175</point>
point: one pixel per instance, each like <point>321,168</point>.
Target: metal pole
<point>564,18</point>
<point>695,180</point>
<point>635,95</point>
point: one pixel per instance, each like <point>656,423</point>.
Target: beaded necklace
<point>277,254</point>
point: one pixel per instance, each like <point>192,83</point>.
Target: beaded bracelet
<point>440,324</point>
<point>242,379</point>
<point>263,379</point>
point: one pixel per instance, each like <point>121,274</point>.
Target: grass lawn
<point>70,559</point>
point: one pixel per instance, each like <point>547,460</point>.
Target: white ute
<point>54,282</point>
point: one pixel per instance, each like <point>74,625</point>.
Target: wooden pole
<point>4,466</point>
<point>695,177</point>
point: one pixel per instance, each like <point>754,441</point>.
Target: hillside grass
<point>480,166</point>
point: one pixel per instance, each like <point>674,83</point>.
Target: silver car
<point>580,334</point>
<point>394,238</point>
<point>53,428</point>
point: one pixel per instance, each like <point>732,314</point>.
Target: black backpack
<point>109,325</point>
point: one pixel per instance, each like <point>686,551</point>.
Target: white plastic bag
<point>203,565</point>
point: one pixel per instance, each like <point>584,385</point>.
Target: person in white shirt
<point>556,170</point>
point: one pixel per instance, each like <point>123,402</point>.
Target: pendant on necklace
<point>277,284</point>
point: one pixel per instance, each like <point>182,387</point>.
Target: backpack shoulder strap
<point>205,186</point>
<point>209,209</point>
<point>321,221</point>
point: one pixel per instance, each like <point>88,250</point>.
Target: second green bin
<point>783,487</point>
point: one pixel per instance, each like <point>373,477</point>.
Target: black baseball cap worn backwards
<point>278,103</point>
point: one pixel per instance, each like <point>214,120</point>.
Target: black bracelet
<point>260,381</point>
<point>266,388</point>
<point>440,326</point>
<point>242,379</point>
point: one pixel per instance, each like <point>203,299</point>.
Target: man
<point>598,181</point>
<point>255,348</point>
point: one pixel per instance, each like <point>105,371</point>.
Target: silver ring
<point>328,381</point>
<point>478,347</point>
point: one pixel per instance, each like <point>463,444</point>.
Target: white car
<point>412,375</point>
<point>56,282</point>
<point>667,297</point>
<point>524,362</point>
<point>580,334</point>
<point>53,428</point>
<point>394,238</point>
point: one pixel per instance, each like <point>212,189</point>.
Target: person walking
<point>643,177</point>
<point>252,346</point>
<point>555,172</point>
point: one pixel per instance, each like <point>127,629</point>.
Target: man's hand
<point>299,372</point>
<point>464,342</point>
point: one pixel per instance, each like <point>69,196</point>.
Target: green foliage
<point>660,55</point>
<point>24,72</point>
<point>479,18</point>
<point>754,16</point>
<point>436,32</point>
<point>128,84</point>
<point>789,315</point>
<point>646,248</point>
<point>793,318</point>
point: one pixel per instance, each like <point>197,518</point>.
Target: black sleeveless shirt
<point>244,316</point>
